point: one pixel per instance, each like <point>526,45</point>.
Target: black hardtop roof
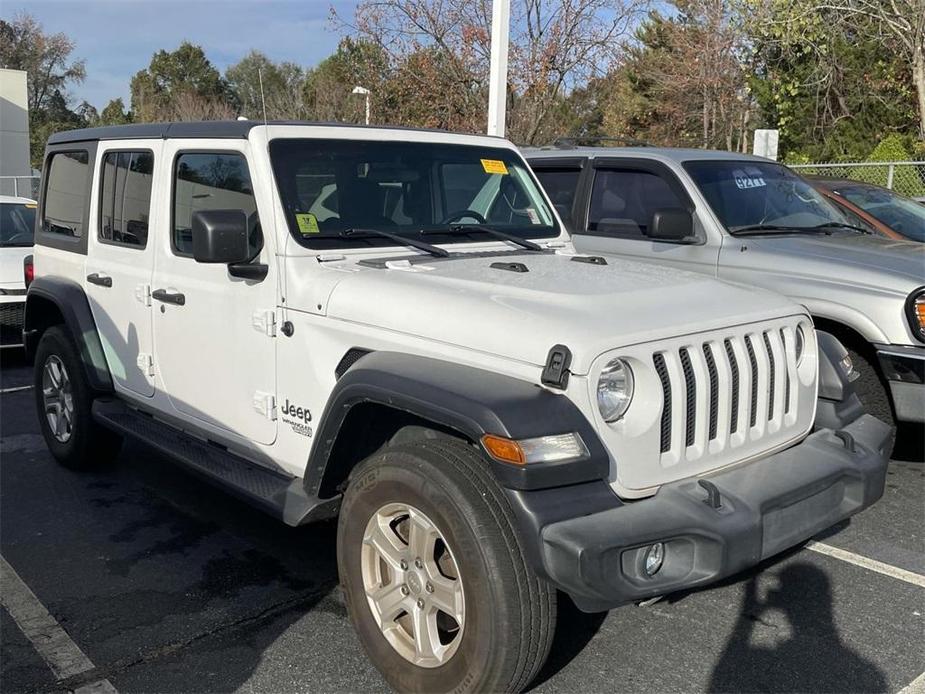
<point>196,129</point>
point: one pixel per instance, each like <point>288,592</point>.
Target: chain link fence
<point>20,186</point>
<point>905,177</point>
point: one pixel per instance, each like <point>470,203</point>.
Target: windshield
<point>747,193</point>
<point>900,214</point>
<point>17,224</point>
<point>330,186</point>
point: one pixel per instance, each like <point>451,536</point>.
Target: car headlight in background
<point>915,313</point>
<point>615,390</point>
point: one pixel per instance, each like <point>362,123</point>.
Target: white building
<point>14,134</point>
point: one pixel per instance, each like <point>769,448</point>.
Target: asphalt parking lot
<point>167,585</point>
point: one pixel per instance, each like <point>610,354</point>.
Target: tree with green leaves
<point>180,85</point>
<point>46,58</point>
<point>261,87</point>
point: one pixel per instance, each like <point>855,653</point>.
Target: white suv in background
<point>17,226</point>
<point>392,325</point>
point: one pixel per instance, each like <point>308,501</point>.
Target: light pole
<point>497,86</point>
<point>365,92</point>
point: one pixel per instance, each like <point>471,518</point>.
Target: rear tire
<point>63,399</point>
<point>507,619</point>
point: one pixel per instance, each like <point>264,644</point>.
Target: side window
<point>125,198</point>
<point>560,185</point>
<point>623,201</point>
<point>211,181</point>
<point>64,211</point>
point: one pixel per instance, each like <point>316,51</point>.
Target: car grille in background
<point>722,391</point>
<point>11,322</point>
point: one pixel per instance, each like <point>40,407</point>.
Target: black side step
<point>274,492</point>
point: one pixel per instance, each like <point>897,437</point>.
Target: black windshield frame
<point>289,155</point>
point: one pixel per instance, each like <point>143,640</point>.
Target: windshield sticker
<point>494,166</point>
<point>30,205</point>
<point>748,179</point>
<point>308,223</point>
<point>534,217</point>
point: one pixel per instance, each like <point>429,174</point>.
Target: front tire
<point>434,573</point>
<point>63,399</point>
<point>870,387</point>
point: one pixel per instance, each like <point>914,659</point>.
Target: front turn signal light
<point>542,449</point>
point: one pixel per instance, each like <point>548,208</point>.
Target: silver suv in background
<point>748,219</point>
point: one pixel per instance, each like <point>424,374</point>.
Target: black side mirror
<point>220,236</point>
<point>671,224</point>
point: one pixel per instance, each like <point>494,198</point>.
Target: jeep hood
<point>463,300</point>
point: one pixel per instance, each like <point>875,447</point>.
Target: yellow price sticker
<point>308,223</point>
<point>30,205</point>
<point>494,166</point>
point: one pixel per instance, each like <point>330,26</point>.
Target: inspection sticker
<point>748,179</point>
<point>494,166</point>
<point>308,223</point>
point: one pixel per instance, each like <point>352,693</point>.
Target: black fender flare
<point>468,400</point>
<point>837,404</point>
<point>71,301</point>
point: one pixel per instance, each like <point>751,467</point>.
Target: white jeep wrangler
<point>393,325</point>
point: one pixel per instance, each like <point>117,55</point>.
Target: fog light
<point>655,555</point>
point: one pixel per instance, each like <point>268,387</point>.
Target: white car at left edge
<point>17,227</point>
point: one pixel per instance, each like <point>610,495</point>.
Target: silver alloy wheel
<point>58,398</point>
<point>412,585</point>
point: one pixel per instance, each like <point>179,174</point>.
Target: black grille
<point>783,341</point>
<point>714,388</point>
<point>662,372</point>
<point>767,346</point>
<point>691,401</point>
<point>349,359</point>
<point>11,320</point>
<point>753,416</point>
<point>734,405</point>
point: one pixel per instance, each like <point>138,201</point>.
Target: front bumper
<point>904,368</point>
<point>592,548</point>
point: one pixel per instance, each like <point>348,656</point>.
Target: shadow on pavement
<point>810,658</point>
<point>574,630</point>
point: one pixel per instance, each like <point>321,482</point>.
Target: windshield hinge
<point>265,322</point>
<point>330,257</point>
<point>143,294</point>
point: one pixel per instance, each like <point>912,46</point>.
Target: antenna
<point>263,101</point>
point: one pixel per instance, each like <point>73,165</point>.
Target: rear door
<point>612,212</point>
<point>214,348</point>
<point>120,260</point>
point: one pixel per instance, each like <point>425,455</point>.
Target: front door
<point>120,260</point>
<point>213,332</point>
<point>623,196</point>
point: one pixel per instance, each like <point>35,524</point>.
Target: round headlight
<point>799,343</point>
<point>615,390</point>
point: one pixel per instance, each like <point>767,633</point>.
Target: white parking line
<point>872,564</point>
<point>15,390</point>
<point>45,634</point>
<point>916,686</point>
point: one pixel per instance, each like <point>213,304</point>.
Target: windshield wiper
<point>503,236</point>
<point>757,229</point>
<point>397,238</point>
<point>840,225</point>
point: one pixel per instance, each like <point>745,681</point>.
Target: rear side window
<point>211,181</point>
<point>125,198</point>
<point>623,201</point>
<point>560,185</point>
<point>65,207</point>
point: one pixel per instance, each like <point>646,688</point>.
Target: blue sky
<point>118,37</point>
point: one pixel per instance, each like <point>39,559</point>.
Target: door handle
<point>169,297</point>
<point>101,280</point>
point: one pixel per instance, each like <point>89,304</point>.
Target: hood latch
<point>555,373</point>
